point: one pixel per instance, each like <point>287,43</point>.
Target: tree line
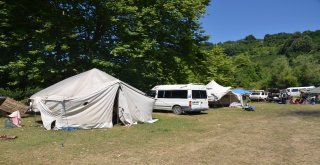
<point>140,42</point>
<point>276,61</point>
<point>143,43</point>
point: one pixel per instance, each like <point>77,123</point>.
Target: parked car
<point>273,97</point>
<point>258,95</point>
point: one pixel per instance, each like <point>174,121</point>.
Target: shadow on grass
<point>196,113</point>
<point>30,114</point>
<point>313,113</point>
<point>39,122</point>
<point>161,111</point>
<point>217,107</point>
<point>186,113</point>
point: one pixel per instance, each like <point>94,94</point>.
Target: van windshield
<point>199,94</point>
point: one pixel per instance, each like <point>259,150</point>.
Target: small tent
<point>242,94</point>
<point>311,91</point>
<point>220,95</point>
<point>312,94</point>
<point>92,99</point>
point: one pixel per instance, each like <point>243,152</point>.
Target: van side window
<point>180,94</point>
<point>151,94</point>
<point>199,94</point>
<point>295,90</point>
<point>174,94</point>
<point>160,94</point>
<point>167,94</point>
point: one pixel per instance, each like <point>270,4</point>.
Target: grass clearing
<point>273,134</point>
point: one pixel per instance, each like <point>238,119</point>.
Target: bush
<point>18,94</point>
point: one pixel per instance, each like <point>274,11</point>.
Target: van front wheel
<point>177,110</point>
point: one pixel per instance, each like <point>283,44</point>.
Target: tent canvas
<point>216,91</point>
<point>221,95</point>
<point>230,98</point>
<point>313,91</point>
<point>241,91</point>
<point>90,100</point>
<point>242,94</point>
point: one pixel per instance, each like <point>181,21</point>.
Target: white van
<point>295,91</point>
<point>181,98</point>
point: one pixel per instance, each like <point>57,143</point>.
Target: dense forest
<point>143,43</point>
<point>276,61</point>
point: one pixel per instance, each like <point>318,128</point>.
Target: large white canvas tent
<point>91,100</point>
<point>220,95</point>
<point>216,91</point>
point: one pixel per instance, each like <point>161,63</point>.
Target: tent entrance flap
<point>121,113</point>
<point>123,109</point>
<point>115,111</point>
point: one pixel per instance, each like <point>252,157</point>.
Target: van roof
<point>180,87</point>
<point>257,90</point>
<point>301,87</point>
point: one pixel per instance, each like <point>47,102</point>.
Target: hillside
<point>281,60</point>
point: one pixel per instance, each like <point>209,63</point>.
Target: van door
<point>160,102</point>
<point>199,100</point>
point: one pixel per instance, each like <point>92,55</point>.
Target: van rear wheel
<point>177,110</point>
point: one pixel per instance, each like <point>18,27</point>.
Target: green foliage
<point>232,48</point>
<point>219,67</point>
<point>307,70</point>
<point>297,43</point>
<point>18,94</point>
<point>282,74</point>
<point>249,39</point>
<point>278,61</point>
<point>143,43</point>
<point>276,39</point>
<point>248,74</point>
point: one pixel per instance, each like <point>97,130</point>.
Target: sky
<point>231,20</point>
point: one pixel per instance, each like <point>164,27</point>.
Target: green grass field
<point>273,134</point>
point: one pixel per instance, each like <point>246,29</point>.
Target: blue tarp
<point>240,91</point>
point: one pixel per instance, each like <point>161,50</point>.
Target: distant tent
<point>92,99</point>
<point>241,91</point>
<point>221,96</point>
<point>216,91</point>
<point>311,91</point>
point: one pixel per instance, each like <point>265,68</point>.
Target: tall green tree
<point>298,43</point>
<point>282,74</point>
<point>217,66</point>
<point>141,42</point>
<point>247,73</point>
<point>307,69</point>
